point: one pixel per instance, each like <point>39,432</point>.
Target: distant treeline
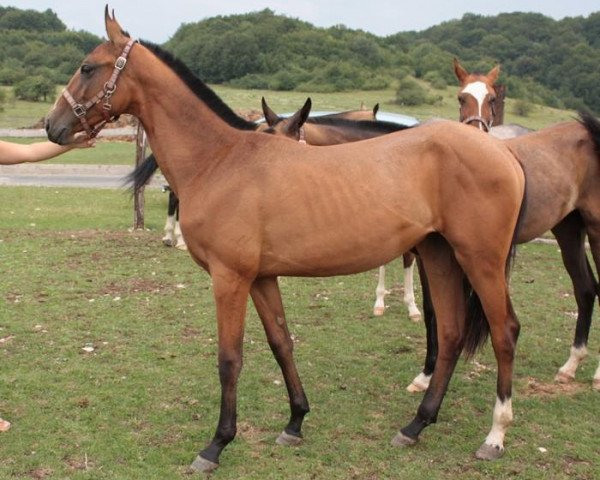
<point>556,63</point>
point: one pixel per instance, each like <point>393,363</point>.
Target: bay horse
<point>320,135</point>
<point>331,129</point>
<point>327,130</point>
<point>565,170</point>
<point>255,206</point>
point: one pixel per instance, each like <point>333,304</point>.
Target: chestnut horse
<point>562,176</point>
<point>255,206</point>
<point>326,130</point>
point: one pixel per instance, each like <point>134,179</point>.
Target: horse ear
<point>459,71</point>
<point>114,31</point>
<point>375,110</point>
<point>270,116</point>
<point>299,118</point>
<point>493,74</point>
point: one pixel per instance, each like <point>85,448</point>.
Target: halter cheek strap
<point>81,110</point>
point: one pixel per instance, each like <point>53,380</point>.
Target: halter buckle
<point>79,110</point>
<point>120,63</point>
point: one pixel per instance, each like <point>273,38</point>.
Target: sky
<point>158,20</point>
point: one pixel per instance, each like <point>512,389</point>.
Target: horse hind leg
<point>421,381</point>
<point>380,291</point>
<point>267,300</point>
<point>593,231</point>
<point>445,280</point>
<point>408,260</point>
<point>570,235</point>
<point>490,284</point>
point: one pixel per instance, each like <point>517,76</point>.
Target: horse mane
<point>376,126</point>
<point>200,89</point>
<point>592,125</point>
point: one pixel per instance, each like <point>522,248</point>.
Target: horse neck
<point>186,136</point>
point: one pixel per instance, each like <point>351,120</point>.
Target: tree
<point>34,89</point>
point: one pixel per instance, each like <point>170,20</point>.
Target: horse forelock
<point>199,88</point>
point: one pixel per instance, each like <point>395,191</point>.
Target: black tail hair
<point>142,174</point>
<point>477,327</point>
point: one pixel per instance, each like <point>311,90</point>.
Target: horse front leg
<point>267,300</point>
<point>570,234</point>
<point>445,280</point>
<point>231,295</point>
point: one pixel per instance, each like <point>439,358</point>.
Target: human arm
<point>13,153</point>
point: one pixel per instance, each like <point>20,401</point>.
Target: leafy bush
<point>34,89</point>
<point>436,80</point>
<point>522,108</point>
<point>411,93</point>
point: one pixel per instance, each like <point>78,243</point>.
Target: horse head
<point>290,126</point>
<point>478,96</point>
<point>91,98</point>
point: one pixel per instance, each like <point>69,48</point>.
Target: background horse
<point>255,206</point>
<point>570,233</point>
<point>568,168</point>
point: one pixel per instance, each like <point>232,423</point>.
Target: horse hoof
<point>378,311</point>
<point>562,377</point>
<point>181,246</point>
<point>4,425</point>
<point>203,465</point>
<point>401,440</point>
<point>489,452</point>
<point>415,388</point>
<point>167,242</point>
<point>415,317</point>
<point>288,440</point>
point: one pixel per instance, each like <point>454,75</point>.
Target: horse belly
<point>339,250</point>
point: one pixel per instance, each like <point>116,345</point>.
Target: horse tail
<point>477,328</point>
<point>142,174</point>
<point>592,125</point>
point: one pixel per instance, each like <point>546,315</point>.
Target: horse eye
<point>493,100</point>
<point>86,69</point>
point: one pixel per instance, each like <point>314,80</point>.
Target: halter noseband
<point>477,118</point>
<point>81,110</point>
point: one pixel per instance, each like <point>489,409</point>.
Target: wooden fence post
<point>138,199</point>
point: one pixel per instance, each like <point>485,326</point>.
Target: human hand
<point>81,140</point>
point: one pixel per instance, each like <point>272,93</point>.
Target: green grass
<point>146,400</point>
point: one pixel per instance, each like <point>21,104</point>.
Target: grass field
<point>145,400</point>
